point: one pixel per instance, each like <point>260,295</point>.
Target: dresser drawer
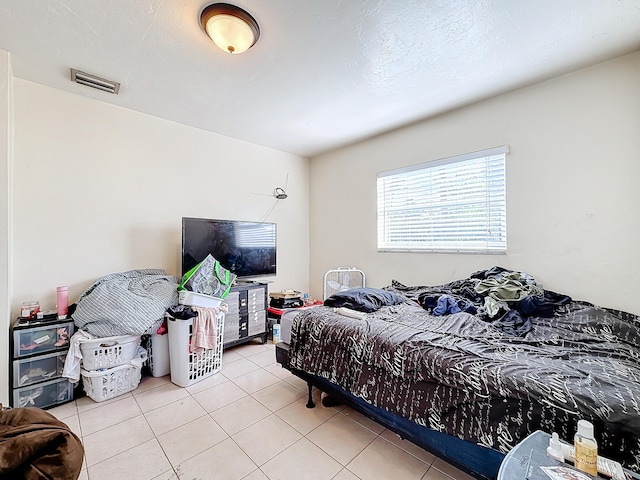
<point>43,395</point>
<point>233,301</point>
<point>48,338</point>
<point>38,369</point>
<point>257,322</point>
<point>255,299</point>
<point>231,328</point>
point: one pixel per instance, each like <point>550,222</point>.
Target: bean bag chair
<point>34,445</point>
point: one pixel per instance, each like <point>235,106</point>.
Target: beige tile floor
<point>247,422</point>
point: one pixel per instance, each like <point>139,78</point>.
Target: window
<point>454,205</point>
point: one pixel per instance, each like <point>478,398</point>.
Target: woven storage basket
<point>102,385</point>
<point>108,352</point>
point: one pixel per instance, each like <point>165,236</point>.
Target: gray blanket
<point>127,303</point>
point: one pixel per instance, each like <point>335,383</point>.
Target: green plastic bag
<point>208,277</point>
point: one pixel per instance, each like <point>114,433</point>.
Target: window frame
<point>494,197</point>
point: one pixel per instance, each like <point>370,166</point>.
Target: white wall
<point>572,199</point>
<point>5,223</point>
<point>101,189</point>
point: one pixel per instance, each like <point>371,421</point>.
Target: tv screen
<point>247,249</point>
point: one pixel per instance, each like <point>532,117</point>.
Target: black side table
<point>524,462</point>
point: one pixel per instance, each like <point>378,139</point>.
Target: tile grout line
<point>155,436</point>
<point>289,381</point>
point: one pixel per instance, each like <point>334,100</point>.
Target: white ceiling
<point>324,73</point>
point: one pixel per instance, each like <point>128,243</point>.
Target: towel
<point>72,362</point>
<point>204,332</point>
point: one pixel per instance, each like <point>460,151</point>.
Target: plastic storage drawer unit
<point>43,395</point>
<point>48,338</point>
<point>38,369</point>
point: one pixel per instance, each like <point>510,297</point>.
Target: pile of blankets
<point>127,303</point>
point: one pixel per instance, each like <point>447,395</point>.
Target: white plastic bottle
<point>554,450</point>
<point>586,449</point>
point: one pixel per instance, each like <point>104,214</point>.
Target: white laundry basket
<point>104,384</point>
<point>189,367</point>
<point>108,352</point>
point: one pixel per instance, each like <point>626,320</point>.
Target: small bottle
<point>276,332</point>
<point>62,302</point>
<point>554,450</point>
<point>586,449</point>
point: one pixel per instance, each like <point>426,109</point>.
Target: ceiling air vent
<point>94,82</point>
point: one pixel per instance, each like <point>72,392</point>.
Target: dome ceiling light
<point>231,28</point>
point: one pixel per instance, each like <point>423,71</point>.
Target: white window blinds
<point>455,204</point>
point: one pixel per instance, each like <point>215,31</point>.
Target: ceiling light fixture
<point>231,28</point>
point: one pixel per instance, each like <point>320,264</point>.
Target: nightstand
<point>274,314</point>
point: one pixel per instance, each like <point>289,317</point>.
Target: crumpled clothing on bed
<point>502,297</point>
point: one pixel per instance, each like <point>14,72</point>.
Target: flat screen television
<point>247,249</point>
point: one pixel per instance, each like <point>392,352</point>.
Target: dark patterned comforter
<point>460,375</point>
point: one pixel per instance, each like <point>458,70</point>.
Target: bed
<point>468,369</point>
